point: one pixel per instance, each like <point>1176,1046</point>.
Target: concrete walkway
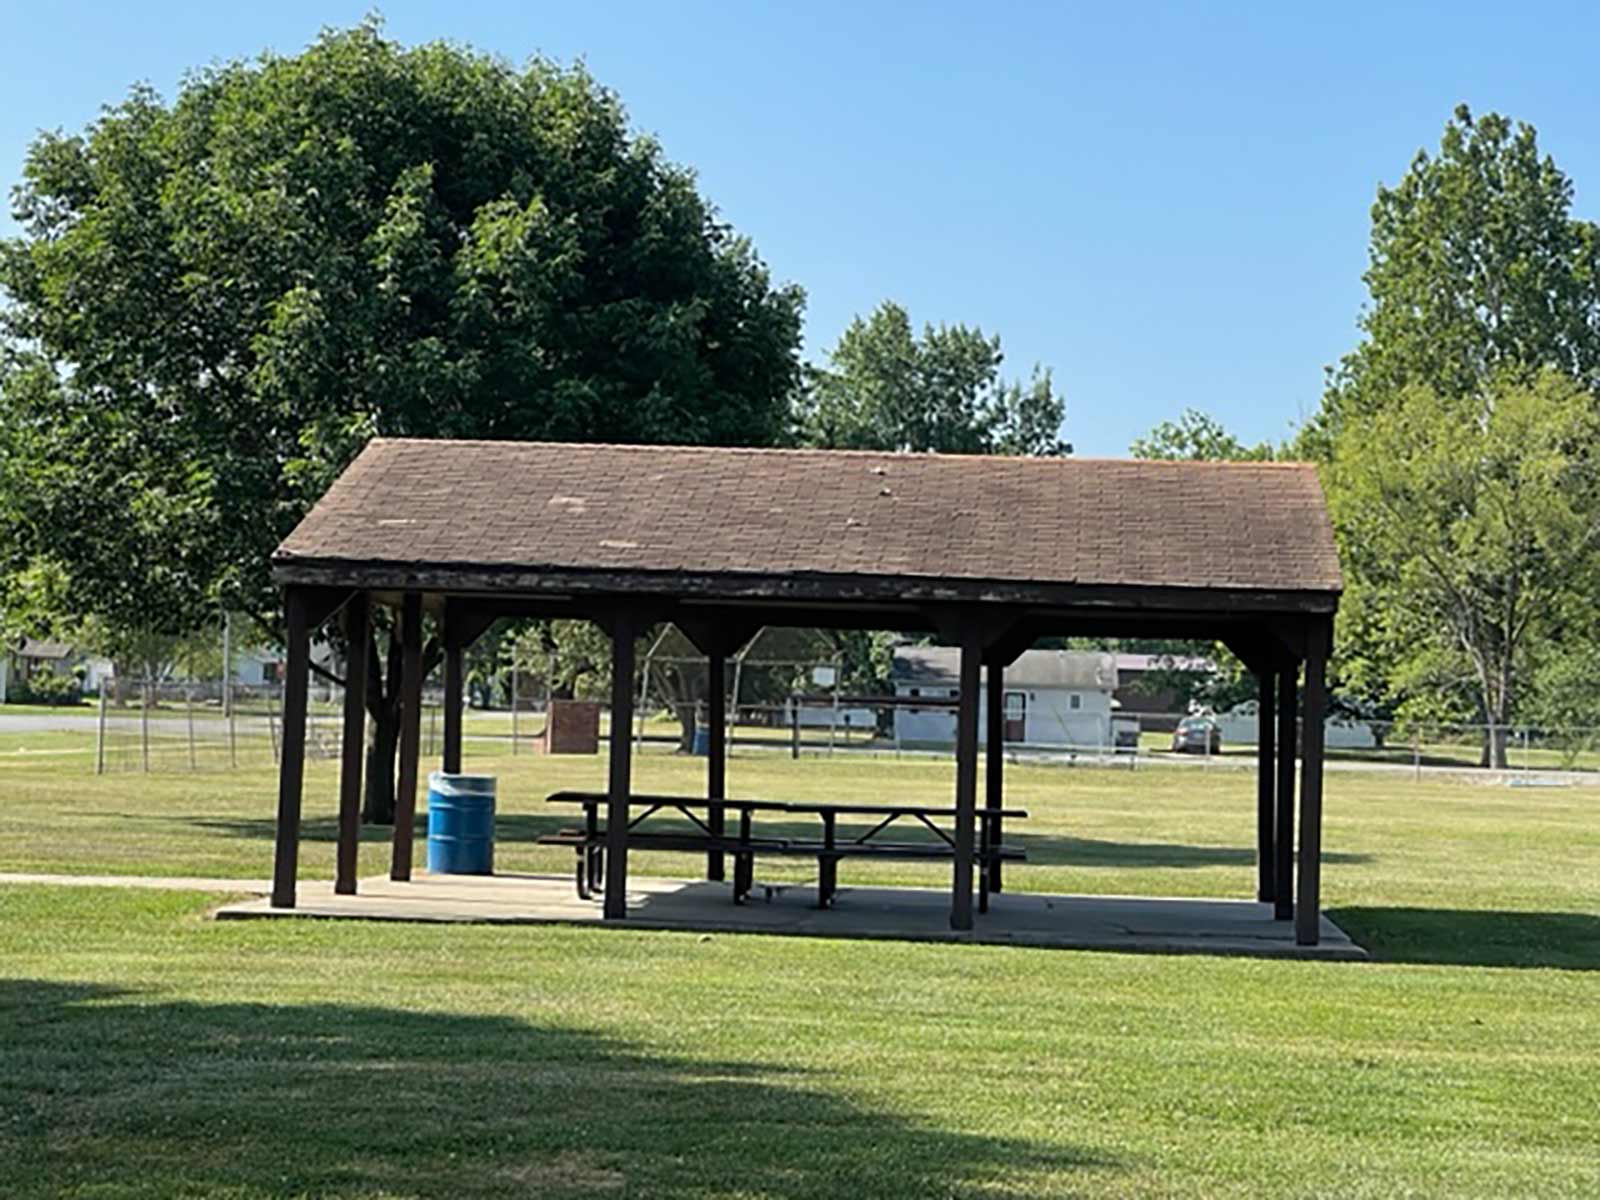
<point>1156,925</point>
<point>172,883</point>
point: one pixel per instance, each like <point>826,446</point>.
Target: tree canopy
<point>1196,436</point>
<point>1457,487</point>
<point>213,304</point>
<point>1475,264</point>
<point>1473,526</point>
<point>886,388</point>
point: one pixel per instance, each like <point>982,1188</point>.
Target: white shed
<point>1056,698</point>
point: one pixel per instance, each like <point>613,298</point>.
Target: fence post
<point>794,727</point>
<point>274,723</point>
<point>513,703</point>
<point>1416,754</point>
<point>233,736</point>
<point>188,702</point>
<point>144,724</point>
<point>100,733</point>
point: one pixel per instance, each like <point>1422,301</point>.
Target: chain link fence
<point>170,726</point>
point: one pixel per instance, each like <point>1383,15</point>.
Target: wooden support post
<point>1283,852</point>
<point>716,758</point>
<point>451,759</point>
<point>1266,787</point>
<point>292,756</point>
<point>1308,905</point>
<point>993,775</point>
<point>405,801</point>
<point>621,747</point>
<point>353,745</point>
<point>966,776</point>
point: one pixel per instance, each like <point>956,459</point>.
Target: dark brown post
<point>1308,910</point>
<point>621,747</point>
<point>405,801</point>
<point>716,757</point>
<point>352,747</point>
<point>1283,853</point>
<point>292,756</point>
<point>1266,785</point>
<point>966,778</point>
<point>452,697</point>
<point>993,777</point>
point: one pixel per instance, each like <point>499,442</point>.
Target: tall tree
<point>886,388</point>
<point>1479,276</point>
<point>1476,263</point>
<point>1473,525</point>
<point>213,304</point>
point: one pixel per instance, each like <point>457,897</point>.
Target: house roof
<point>34,648</point>
<point>941,666</point>
<point>419,511</point>
<point>1130,662</point>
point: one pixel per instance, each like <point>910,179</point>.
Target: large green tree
<point>214,303</point>
<point>1475,264</point>
<point>1473,525</point>
<point>887,388</point>
<point>1479,278</point>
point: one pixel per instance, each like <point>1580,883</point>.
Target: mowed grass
<point>146,1050</point>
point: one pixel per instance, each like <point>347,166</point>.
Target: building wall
<point>1051,718</point>
<point>1241,726</point>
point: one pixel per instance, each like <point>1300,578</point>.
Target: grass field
<point>146,1050</point>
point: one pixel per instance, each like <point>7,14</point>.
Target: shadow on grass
<point>111,1091</point>
<point>1464,937</point>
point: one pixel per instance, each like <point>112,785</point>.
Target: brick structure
<point>572,727</point>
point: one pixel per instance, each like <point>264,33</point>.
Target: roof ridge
<point>830,452</point>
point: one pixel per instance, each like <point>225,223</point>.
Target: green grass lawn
<point>146,1050</point>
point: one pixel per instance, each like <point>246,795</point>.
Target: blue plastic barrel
<point>702,740</point>
<point>460,824</point>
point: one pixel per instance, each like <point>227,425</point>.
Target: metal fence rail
<point>168,726</point>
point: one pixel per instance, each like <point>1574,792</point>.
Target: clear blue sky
<point>1166,204</point>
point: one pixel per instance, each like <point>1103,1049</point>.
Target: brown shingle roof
<point>562,507</point>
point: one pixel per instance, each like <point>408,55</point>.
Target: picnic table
<point>706,835</point>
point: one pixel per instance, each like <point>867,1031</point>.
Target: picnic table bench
<point>833,845</point>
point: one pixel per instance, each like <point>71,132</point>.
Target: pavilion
<point>989,553</point>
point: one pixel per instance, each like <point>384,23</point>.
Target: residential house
<point>1053,698</point>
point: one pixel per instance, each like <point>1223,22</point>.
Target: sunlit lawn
<point>146,1050</point>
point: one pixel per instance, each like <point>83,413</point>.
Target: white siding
<point>1051,719</point>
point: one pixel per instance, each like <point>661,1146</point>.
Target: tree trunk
<point>1497,745</point>
<point>382,747</point>
<point>383,709</point>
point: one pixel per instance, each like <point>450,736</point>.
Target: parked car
<point>1197,735</point>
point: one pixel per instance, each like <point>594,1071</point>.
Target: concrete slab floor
<point>1135,923</point>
